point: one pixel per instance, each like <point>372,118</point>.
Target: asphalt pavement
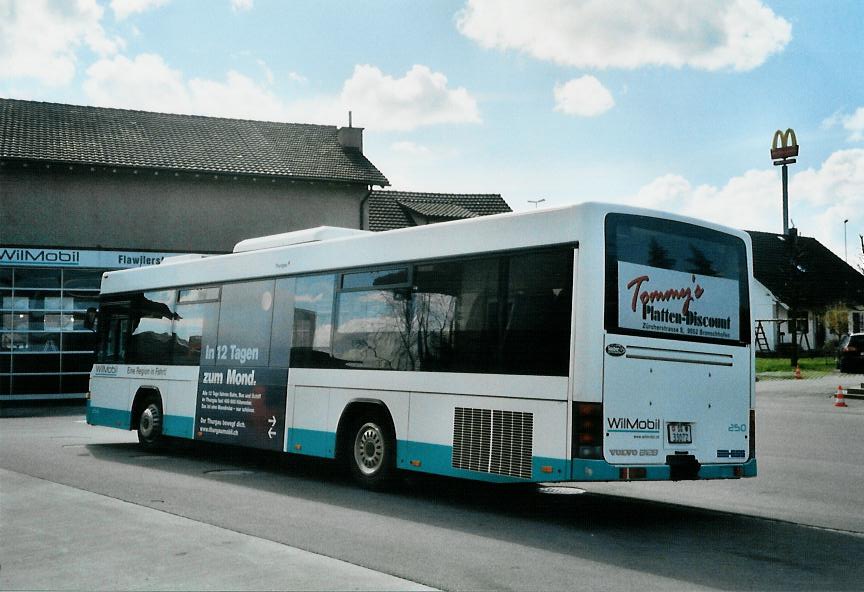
<point>85,508</point>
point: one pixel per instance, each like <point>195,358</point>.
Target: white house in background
<point>798,272</point>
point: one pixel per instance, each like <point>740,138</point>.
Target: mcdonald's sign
<point>785,145</point>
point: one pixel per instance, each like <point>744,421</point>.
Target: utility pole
<point>845,244</point>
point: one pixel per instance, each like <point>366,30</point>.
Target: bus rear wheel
<point>371,452</point>
<point>150,424</point>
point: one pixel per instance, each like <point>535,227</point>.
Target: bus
<point>591,342</point>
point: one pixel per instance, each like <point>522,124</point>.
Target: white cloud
<point>419,98</point>
<point>706,34</point>
<point>40,39</point>
<point>819,200</point>
<point>840,179</point>
<point>297,77</point>
<point>124,8</point>
<point>410,148</point>
<point>747,201</point>
<point>381,102</point>
<point>584,96</point>
<point>854,124</point>
<point>241,5</point>
<point>268,73</point>
<point>148,83</point>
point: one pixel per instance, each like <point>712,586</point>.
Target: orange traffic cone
<point>798,372</point>
<point>839,401</point>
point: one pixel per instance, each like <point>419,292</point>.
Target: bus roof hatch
<point>307,235</point>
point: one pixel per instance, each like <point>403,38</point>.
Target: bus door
<point>242,384</point>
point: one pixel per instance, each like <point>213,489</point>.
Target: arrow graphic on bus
<point>271,432</point>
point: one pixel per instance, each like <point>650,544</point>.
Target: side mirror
<point>90,319</point>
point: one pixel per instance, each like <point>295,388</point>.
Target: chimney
<point>351,137</point>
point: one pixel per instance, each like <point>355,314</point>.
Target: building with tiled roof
<point>145,180</point>
<point>73,134</point>
<point>798,273</point>
<point>399,209</point>
<point>88,189</point>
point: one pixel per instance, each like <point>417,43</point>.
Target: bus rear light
<point>627,473</point>
<point>738,471</point>
<point>752,434</point>
<point>588,430</point>
<point>546,469</point>
<point>589,409</point>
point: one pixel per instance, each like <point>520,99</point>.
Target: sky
<point>668,104</point>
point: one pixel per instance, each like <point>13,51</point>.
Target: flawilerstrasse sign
<point>20,257</point>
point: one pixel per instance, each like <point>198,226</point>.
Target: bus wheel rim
<point>149,421</point>
<point>369,449</point>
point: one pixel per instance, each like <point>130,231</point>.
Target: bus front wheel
<point>372,452</point>
<point>150,424</point>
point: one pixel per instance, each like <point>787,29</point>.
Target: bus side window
<point>113,331</point>
<point>283,323</point>
<point>313,321</point>
<point>194,326</point>
<point>152,337</point>
<point>537,338</point>
<point>456,315</point>
<point>245,319</point>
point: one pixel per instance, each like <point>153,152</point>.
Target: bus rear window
<point>675,280</point>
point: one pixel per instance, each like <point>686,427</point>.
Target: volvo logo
<point>616,349</point>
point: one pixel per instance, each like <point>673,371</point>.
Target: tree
<point>837,319</point>
<point>699,262</point>
<point>658,256</point>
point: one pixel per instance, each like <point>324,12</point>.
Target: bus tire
<point>150,423</point>
<point>371,451</point>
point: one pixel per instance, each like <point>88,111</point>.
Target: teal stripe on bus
<point>180,426</point>
<point>600,470</point>
<point>438,459</point>
<point>312,442</point>
<point>104,416</point>
<point>173,425</point>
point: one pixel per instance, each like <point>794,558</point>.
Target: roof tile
<point>807,271</point>
<point>391,209</point>
<point>55,132</point>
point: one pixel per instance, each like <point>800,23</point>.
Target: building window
<point>44,347</point>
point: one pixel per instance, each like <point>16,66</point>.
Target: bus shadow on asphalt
<point>653,537</point>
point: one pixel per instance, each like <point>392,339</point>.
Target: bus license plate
<point>679,433</point>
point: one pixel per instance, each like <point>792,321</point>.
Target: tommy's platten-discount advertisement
<point>675,302</point>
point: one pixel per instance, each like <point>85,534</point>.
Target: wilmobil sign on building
<point>678,303</point>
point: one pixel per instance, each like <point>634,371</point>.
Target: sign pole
<point>784,149</point>
<point>785,170</point>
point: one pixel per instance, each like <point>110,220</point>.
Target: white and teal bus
<point>590,342</point>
